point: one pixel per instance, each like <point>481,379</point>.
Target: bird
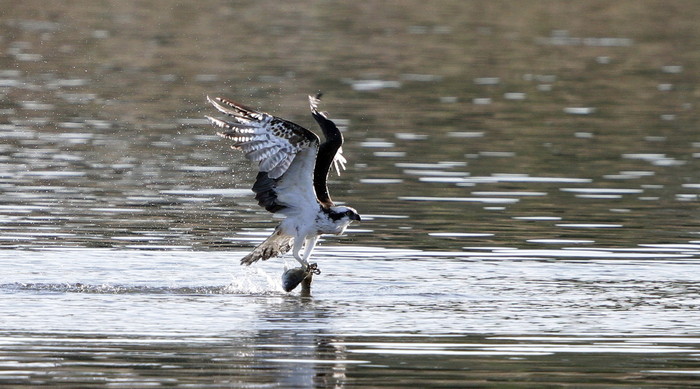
<point>293,167</point>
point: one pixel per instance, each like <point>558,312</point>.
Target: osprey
<point>294,167</point>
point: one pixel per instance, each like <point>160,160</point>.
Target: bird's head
<point>344,215</point>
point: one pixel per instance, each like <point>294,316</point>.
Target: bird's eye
<point>348,213</point>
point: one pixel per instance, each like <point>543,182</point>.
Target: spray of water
<point>255,280</point>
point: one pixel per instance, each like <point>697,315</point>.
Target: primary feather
<point>270,141</point>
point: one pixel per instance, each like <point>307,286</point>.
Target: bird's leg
<point>298,242</point>
<point>309,246</point>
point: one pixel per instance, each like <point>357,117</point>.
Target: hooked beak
<point>356,217</point>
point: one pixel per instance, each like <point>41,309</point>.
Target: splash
<point>255,280</point>
<point>110,288</point>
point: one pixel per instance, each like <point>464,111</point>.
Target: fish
<point>291,278</point>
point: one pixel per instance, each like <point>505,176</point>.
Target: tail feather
<point>274,246</point>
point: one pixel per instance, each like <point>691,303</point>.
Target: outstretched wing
<point>330,152</point>
<point>285,153</point>
<point>268,140</point>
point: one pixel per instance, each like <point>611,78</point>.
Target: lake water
<point>528,177</point>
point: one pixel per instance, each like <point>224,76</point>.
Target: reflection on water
<point>330,360</point>
<point>528,173</point>
<point>188,318</point>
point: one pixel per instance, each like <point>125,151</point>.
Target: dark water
<point>527,175</point>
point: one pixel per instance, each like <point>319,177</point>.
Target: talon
<point>313,268</point>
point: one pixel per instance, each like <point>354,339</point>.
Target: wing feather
<point>330,152</point>
<point>267,140</point>
<point>339,159</point>
<point>284,151</point>
<point>272,161</point>
<point>295,189</point>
